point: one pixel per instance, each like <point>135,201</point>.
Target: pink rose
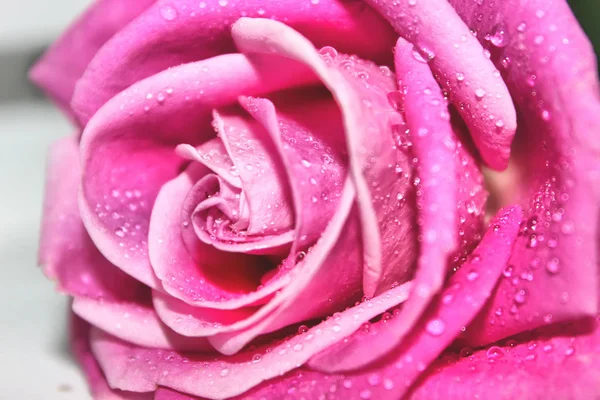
<point>242,215</point>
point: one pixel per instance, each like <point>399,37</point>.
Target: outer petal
<point>80,346</point>
<point>174,32</point>
<point>66,251</point>
<point>127,149</point>
<point>550,70</point>
<point>142,369</point>
<point>560,362</point>
<point>370,144</point>
<point>63,64</point>
<point>136,323</point>
<point>461,67</point>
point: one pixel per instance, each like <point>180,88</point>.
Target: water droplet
<point>256,358</point>
<point>553,266</point>
<point>119,232</point>
<point>249,167</point>
<point>374,379</point>
<point>302,329</point>
<point>499,123</point>
<point>260,11</point>
<point>365,394</point>
<point>567,228</point>
<point>385,71</point>
<point>548,348</point>
<point>435,327</point>
<point>160,98</point>
<point>460,76</point>
<point>498,37</point>
<point>479,93</point>
<point>224,372</point>
<point>297,347</point>
<point>423,54</point>
<point>570,351</point>
<point>472,275</point>
<point>521,296</point>
<point>306,163</point>
<point>222,3</point>
<point>336,328</point>
<point>388,384</point>
<point>168,12</point>
<point>328,51</point>
<point>507,272</point>
<point>545,115</point>
<point>494,352</point>
<point>395,99</point>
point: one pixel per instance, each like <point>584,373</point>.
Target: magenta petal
<point>140,369</point>
<point>459,64</point>
<point>360,89</point>
<point>559,362</point>
<point>80,346</point>
<point>136,323</point>
<point>66,251</point>
<point>128,148</point>
<point>550,70</point>
<point>176,32</point>
<point>63,64</point>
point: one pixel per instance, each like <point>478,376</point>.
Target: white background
<point>34,359</point>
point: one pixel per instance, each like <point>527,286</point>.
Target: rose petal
<point>127,149</point>
<point>391,376</point>
<point>80,346</point>
<point>453,309</point>
<point>435,147</point>
<point>550,70</point>
<point>136,323</point>
<point>180,31</point>
<point>309,136</point>
<point>458,62</point>
<point>560,362</point>
<point>193,271</point>
<point>63,64</point>
<point>66,251</point>
<point>135,368</point>
<point>370,144</point>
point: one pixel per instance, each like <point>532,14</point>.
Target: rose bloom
<point>327,199</point>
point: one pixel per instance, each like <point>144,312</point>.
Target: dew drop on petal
<point>435,327</point>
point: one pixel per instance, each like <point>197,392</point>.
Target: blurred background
<point>33,338</point>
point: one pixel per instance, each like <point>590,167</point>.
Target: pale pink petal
<point>214,156</point>
<point>550,70</point>
<point>63,64</point>
<point>140,369</point>
<point>169,394</point>
<point>80,346</point>
<point>128,148</point>
<point>360,89</point>
<point>459,64</point>
<point>180,31</point>
<point>67,253</point>
<point>309,135</point>
<point>136,323</point>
